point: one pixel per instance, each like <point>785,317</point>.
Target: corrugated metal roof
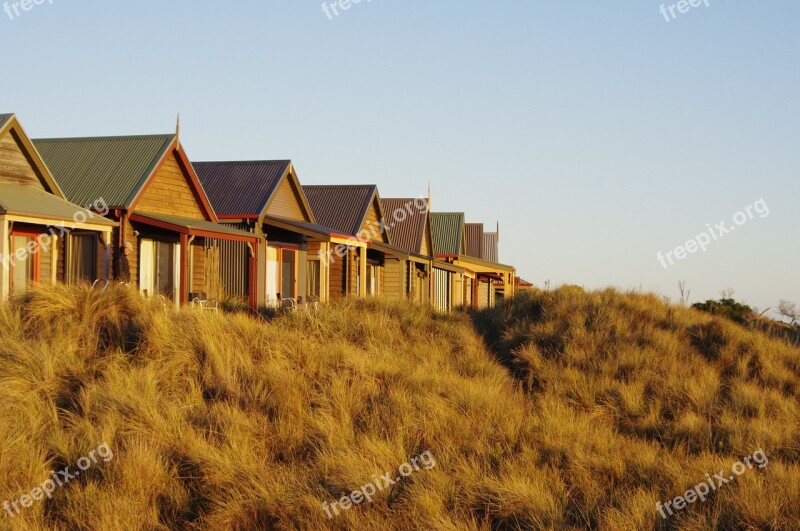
<point>491,242</point>
<point>340,207</point>
<point>114,168</point>
<point>447,228</point>
<point>240,189</point>
<point>31,201</point>
<point>408,228</point>
<point>474,233</point>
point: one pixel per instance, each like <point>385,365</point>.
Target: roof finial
<point>429,196</point>
<point>178,131</point>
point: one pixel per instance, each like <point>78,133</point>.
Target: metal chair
<point>313,303</point>
<point>101,284</point>
<point>288,304</point>
<point>201,301</point>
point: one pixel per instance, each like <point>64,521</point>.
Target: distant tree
<point>726,294</point>
<point>727,307</point>
<point>684,292</point>
<point>789,310</point>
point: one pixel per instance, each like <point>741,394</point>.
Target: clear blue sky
<point>596,133</point>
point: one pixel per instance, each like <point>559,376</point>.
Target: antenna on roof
<point>178,131</point>
<point>429,195</point>
<point>498,232</point>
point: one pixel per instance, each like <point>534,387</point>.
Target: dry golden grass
<point>584,411</point>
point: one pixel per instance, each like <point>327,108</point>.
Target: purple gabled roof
<point>407,222</point>
<point>240,189</point>
<point>340,207</point>
<point>474,240</point>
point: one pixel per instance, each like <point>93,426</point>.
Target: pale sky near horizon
<point>596,134</point>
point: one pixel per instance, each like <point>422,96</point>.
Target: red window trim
<point>37,256</point>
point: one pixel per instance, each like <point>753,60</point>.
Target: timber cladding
<point>133,258</point>
<point>337,277</point>
<point>372,224</point>
<point>394,279</point>
<point>15,167</point>
<point>198,282</point>
<point>168,192</point>
<point>352,264</point>
<point>286,203</point>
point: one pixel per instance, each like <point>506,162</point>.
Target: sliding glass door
<point>24,272</point>
<point>82,258</point>
<point>281,273</point>
<point>159,273</point>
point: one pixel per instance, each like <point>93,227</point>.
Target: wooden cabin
<point>161,209</point>
<point>409,268</point>
<point>356,267</point>
<point>43,237</point>
<point>456,243</point>
<point>449,240</point>
<point>265,198</point>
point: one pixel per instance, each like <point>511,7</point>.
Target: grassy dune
<point>564,409</point>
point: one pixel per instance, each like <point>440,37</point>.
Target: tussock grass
<point>637,401</point>
<point>583,411</point>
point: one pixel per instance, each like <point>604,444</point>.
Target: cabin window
<point>158,271</point>
<point>281,273</point>
<point>25,271</point>
<point>373,281</point>
<point>313,277</point>
<point>82,258</point>
<point>289,273</point>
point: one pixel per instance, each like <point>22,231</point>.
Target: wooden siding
<point>352,265</point>
<point>133,258</point>
<point>14,166</point>
<point>212,263</point>
<point>234,263</point>
<point>169,193</point>
<point>338,279</point>
<point>61,263</point>
<point>286,202</point>
<point>198,283</point>
<point>45,264</point>
<point>420,283</point>
<point>372,224</point>
<point>427,246</point>
<point>393,279</point>
<point>313,249</point>
<point>103,267</point>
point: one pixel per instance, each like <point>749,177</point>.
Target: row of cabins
<point>248,230</point>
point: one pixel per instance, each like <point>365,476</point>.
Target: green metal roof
<point>112,168</point>
<point>196,224</point>
<point>448,232</point>
<point>24,200</point>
